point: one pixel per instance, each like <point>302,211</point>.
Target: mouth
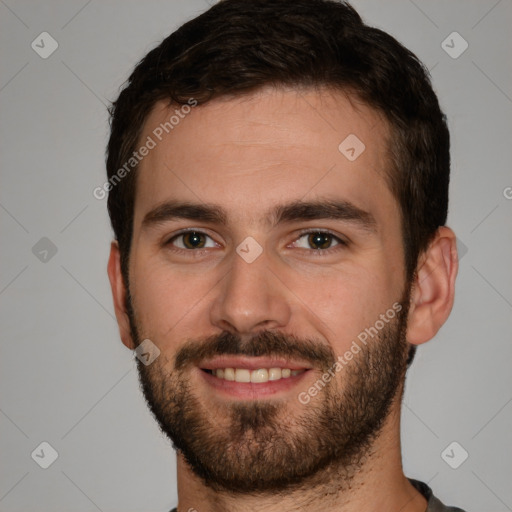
<point>257,376</point>
<point>252,378</point>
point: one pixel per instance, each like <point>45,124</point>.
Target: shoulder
<point>434,505</point>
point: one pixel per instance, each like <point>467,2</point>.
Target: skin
<point>248,154</point>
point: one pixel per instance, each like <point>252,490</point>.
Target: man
<point>278,188</point>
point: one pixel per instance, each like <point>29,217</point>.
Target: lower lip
<point>253,390</point>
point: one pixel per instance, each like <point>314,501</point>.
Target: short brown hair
<point>238,46</point>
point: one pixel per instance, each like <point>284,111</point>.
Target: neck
<point>378,484</point>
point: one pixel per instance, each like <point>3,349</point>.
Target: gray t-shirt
<point>434,505</point>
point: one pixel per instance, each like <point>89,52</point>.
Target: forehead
<point>251,152</point>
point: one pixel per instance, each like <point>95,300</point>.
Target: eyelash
<point>316,252</point>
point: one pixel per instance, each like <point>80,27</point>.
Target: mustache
<point>265,343</point>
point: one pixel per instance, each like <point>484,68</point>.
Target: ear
<point>433,289</point>
<point>119,295</point>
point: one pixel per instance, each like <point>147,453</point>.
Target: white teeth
<point>274,374</point>
<point>229,373</point>
<point>242,375</point>
<point>259,375</point>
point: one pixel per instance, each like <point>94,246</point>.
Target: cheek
<point>348,304</point>
<point>166,301</point>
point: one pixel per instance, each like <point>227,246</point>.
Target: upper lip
<point>251,363</point>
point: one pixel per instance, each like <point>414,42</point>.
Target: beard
<point>263,446</point>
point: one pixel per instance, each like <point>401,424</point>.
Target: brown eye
<point>193,240</point>
<point>190,240</point>
<point>320,240</point>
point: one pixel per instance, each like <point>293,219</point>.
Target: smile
<point>250,378</point>
<point>260,375</point>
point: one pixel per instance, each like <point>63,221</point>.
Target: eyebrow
<point>280,214</point>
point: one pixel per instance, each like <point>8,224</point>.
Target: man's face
<point>248,290</point>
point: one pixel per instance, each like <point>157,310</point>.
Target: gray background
<point>65,376</point>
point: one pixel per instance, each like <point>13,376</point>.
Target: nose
<point>250,298</point>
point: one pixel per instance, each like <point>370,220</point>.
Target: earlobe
<point>119,295</point>
<point>433,290</point>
